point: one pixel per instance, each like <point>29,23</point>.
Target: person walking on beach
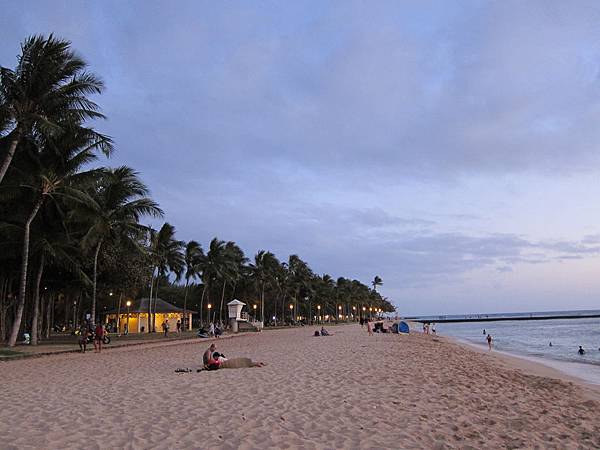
<point>211,329</point>
<point>99,336</point>
<point>179,327</point>
<point>489,341</point>
<point>433,328</point>
<point>369,327</point>
<point>83,337</point>
<point>165,327</point>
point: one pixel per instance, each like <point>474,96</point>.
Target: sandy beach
<point>349,390</point>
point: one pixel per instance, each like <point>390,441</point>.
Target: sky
<point>452,148</point>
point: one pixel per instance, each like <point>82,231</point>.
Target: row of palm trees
<point>70,232</point>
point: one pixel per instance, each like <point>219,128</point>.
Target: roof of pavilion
<point>141,306</point>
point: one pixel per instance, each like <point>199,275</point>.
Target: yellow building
<point>136,315</point>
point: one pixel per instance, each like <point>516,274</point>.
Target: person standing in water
<point>581,351</point>
<point>489,341</point>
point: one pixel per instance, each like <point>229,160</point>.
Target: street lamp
<point>292,313</point>
<point>209,307</point>
<point>319,314</point>
<point>127,325</point>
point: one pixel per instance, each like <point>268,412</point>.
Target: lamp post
<point>319,314</point>
<point>127,325</point>
<point>291,314</point>
<point>254,307</point>
<point>339,311</point>
<point>209,306</point>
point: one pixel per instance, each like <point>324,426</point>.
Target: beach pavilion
<point>138,315</point>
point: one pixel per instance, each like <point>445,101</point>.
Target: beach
<point>349,390</point>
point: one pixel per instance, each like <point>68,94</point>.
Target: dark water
<point>532,338</point>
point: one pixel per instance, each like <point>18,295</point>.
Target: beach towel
<point>236,363</point>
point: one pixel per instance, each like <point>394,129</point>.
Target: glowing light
<point>128,303</point>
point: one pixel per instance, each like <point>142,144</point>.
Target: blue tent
<point>403,327</point>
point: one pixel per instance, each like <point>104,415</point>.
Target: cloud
<point>367,137</point>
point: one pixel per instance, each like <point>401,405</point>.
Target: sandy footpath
<point>344,391</point>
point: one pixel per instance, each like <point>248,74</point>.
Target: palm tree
<point>113,210</point>
<point>46,95</point>
<point>232,266</point>
<point>377,281</point>
<point>213,267</point>
<point>51,172</point>
<point>193,256</point>
<point>263,272</point>
<point>169,257</point>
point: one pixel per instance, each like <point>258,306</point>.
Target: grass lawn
<point>7,352</point>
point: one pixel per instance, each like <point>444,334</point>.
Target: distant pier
<point>505,317</point>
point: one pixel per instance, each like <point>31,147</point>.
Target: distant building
<point>138,316</point>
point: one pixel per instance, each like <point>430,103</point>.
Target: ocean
<point>531,339</point>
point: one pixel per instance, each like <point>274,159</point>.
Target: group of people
<point>86,332</point>
<point>429,327</point>
<point>213,360</point>
<point>323,332</point>
<point>166,327</point>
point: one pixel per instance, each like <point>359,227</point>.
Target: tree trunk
<point>183,327</point>
<point>23,285</point>
<point>36,303</point>
<point>262,304</point>
<point>202,303</point>
<point>222,297</point>
<point>154,309</point>
<point>149,322</point>
<point>3,306</point>
<point>119,314</point>
<point>52,304</point>
<point>95,282</point>
<point>9,156</point>
<point>48,318</point>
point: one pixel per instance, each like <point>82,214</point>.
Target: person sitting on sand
<point>324,332</point>
<point>489,341</point>
<point>213,361</point>
<point>581,351</point>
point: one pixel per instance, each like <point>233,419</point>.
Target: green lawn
<point>7,352</point>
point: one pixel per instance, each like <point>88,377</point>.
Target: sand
<point>349,390</point>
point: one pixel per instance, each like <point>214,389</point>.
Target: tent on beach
<point>400,327</point>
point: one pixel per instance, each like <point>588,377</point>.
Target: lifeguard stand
<point>235,314</point>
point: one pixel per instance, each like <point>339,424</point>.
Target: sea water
<point>531,339</point>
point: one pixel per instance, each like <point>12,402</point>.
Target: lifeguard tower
<point>235,314</point>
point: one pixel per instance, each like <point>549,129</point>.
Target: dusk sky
<point>452,148</point>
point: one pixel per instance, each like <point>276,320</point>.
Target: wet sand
<point>349,390</point>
